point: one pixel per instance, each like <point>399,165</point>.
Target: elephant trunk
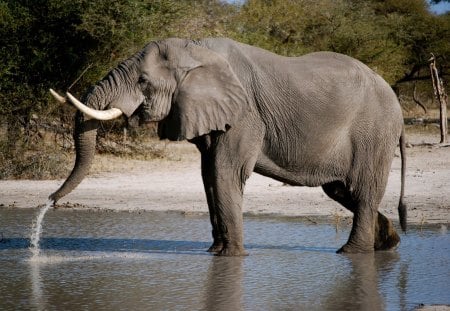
<point>85,135</point>
<point>109,90</point>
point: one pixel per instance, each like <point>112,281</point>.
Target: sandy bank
<point>175,184</point>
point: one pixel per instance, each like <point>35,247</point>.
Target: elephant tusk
<point>93,113</point>
<point>58,97</point>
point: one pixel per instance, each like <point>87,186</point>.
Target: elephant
<point>320,119</point>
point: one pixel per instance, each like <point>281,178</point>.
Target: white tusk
<point>93,113</point>
<point>58,97</point>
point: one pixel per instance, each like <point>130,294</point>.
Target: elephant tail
<point>402,211</point>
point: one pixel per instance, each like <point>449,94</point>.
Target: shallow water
<point>157,261</point>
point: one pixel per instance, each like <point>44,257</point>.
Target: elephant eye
<point>142,81</point>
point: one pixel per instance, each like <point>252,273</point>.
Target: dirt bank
<point>174,184</point>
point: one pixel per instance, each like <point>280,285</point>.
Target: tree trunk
<point>441,96</point>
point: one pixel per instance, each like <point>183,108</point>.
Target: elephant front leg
<point>228,160</point>
<point>225,200</point>
<point>217,237</point>
<point>225,211</point>
<point>230,218</point>
<point>204,145</point>
<point>232,169</point>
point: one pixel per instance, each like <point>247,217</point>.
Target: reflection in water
<point>403,285</point>
<point>361,287</point>
<point>224,284</point>
<point>37,297</point>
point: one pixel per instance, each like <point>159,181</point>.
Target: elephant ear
<point>209,96</point>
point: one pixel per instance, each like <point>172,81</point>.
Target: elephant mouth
<point>102,115</point>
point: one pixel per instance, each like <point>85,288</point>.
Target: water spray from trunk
<point>37,230</point>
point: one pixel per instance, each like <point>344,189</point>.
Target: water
<point>37,230</point>
<point>157,261</point>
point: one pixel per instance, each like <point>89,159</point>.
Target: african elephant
<point>322,119</point>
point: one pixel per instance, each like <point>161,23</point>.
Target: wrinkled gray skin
<point>322,119</point>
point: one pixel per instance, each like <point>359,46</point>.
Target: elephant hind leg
<point>338,192</point>
<point>386,238</point>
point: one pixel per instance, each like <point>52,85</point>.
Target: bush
<point>45,163</point>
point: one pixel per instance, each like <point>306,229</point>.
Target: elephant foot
<point>354,249</point>
<point>386,238</point>
<point>232,251</point>
<point>215,248</point>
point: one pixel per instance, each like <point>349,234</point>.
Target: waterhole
<point>100,260</point>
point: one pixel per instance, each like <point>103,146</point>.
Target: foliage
<point>71,44</point>
<point>390,36</point>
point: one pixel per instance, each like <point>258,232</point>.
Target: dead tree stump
<point>439,92</point>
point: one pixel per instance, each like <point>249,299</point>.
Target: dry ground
<point>174,184</point>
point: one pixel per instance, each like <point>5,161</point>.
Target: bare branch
<point>79,77</point>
